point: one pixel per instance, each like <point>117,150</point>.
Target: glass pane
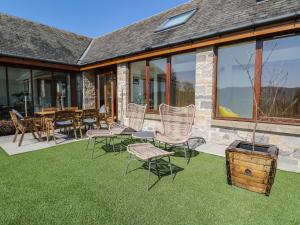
<point>280,91</point>
<point>79,89</point>
<point>138,82</point>
<point>3,94</point>
<point>235,75</point>
<point>108,95</point>
<point>101,91</point>
<point>42,89</point>
<point>157,82</point>
<point>62,89</point>
<point>19,86</point>
<point>183,79</point>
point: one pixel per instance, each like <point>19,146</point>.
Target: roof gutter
<point>251,25</point>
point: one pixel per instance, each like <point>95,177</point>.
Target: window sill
<point>263,127</point>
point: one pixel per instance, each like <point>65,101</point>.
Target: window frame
<point>168,79</point>
<point>257,83</point>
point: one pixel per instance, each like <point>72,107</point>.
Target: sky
<point>91,18</point>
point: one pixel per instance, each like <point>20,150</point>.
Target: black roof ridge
<point>142,20</point>
<point>46,25</point>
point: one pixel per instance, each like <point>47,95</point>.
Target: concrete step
<point>286,163</point>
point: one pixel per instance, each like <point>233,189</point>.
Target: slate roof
<point>19,37</point>
<point>211,16</point>
<point>23,38</point>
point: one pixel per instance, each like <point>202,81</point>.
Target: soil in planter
<point>249,147</point>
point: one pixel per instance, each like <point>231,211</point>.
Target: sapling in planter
<point>252,165</point>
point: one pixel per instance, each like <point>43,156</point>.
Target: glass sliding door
<point>62,89</point>
<point>107,94</point>
<point>3,94</point>
<point>20,92</point>
<point>42,89</point>
<point>157,82</point>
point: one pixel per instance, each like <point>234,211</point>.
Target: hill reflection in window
<point>280,84</point>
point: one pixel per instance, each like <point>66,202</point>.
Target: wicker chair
<point>177,126</point>
<point>24,125</point>
<point>135,114</point>
<point>62,119</point>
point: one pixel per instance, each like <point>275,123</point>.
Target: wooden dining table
<point>44,115</point>
<point>50,114</point>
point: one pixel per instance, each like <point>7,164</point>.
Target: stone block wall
<point>89,85</point>
<point>123,87</point>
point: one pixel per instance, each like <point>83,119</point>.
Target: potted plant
<point>251,165</point>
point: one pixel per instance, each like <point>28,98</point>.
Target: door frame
<point>114,88</point>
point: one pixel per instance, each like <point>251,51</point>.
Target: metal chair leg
<point>170,166</point>
<point>128,162</point>
<point>149,170</point>
<point>113,143</point>
<point>157,170</point>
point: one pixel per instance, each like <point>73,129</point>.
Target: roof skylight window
<point>176,20</point>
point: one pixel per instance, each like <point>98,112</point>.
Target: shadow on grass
<point>161,169</point>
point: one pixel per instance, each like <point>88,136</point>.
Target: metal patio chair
<point>177,126</point>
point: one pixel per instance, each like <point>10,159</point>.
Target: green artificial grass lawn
<point>63,185</point>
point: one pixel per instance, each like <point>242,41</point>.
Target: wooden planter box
<point>254,171</point>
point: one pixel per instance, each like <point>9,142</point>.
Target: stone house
<point>197,53</point>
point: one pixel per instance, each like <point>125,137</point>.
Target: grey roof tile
<point>212,15</point>
<point>23,38</point>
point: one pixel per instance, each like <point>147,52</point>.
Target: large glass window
<point>183,79</point>
<point>42,89</point>
<point>3,94</point>
<point>235,79</point>
<point>79,89</point>
<point>19,86</point>
<point>157,82</point>
<point>62,89</point>
<point>280,85</point>
<point>138,82</point>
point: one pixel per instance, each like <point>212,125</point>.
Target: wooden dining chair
<point>64,119</point>
<point>24,125</point>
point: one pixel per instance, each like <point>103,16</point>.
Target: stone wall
<point>89,84</point>
<point>123,87</point>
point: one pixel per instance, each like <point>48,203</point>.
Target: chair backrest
<point>89,113</point>
<point>50,109</point>
<point>16,121</point>
<point>135,114</point>
<point>177,122</point>
<point>64,115</point>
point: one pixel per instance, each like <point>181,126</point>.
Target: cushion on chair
<point>63,123</point>
<point>18,114</point>
<point>89,120</point>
